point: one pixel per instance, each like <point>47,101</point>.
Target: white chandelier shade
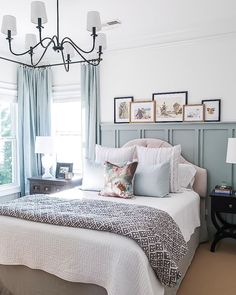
<point>93,21</point>
<point>69,50</point>
<point>9,24</point>
<point>38,10</point>
<point>65,46</point>
<point>30,41</point>
<point>101,41</point>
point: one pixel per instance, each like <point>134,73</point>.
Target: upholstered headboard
<point>200,183</point>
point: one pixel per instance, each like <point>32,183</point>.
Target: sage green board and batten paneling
<point>203,144</point>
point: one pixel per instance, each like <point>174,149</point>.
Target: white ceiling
<point>144,22</point>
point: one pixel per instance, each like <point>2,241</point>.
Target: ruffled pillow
<point>119,180</point>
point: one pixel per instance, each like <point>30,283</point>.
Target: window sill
<point>9,190</point>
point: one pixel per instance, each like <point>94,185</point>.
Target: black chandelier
<point>66,46</point>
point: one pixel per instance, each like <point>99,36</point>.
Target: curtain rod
<point>44,66</point>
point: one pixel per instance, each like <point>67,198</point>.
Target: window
<point>8,173</point>
<point>66,122</point>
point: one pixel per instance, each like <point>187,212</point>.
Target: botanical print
<point>194,113</point>
<point>169,106</point>
<point>212,109</point>
<point>122,109</point>
<point>142,111</point>
<point>119,180</point>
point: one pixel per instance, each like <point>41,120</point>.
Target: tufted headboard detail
<point>200,183</point>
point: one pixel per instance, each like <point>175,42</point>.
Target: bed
<point>47,259</point>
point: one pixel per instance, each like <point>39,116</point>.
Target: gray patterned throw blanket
<point>153,230</point>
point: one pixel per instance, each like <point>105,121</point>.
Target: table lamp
<point>231,151</point>
<point>45,145</point>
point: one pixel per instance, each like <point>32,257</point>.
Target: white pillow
<point>114,155</point>
<point>93,176</point>
<point>153,156</point>
<point>187,173</point>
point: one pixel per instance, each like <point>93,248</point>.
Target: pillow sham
<point>93,176</point>
<point>153,156</point>
<point>187,174</point>
<point>119,180</point>
<point>152,181</point>
<point>114,155</point>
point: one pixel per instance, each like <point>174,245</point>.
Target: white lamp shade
<point>94,20</point>
<point>38,10</point>
<point>44,145</point>
<point>101,40</point>
<point>9,24</point>
<point>68,49</point>
<point>231,151</point>
<point>30,41</point>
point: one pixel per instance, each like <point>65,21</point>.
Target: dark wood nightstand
<point>39,185</point>
<point>222,204</point>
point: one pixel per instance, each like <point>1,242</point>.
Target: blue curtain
<point>90,95</point>
<point>34,118</point>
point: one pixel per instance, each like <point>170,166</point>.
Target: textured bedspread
<point>152,229</point>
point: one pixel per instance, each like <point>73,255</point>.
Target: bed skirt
<point>21,280</point>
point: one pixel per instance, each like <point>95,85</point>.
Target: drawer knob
<point>230,206</point>
<point>58,189</point>
<point>46,189</point>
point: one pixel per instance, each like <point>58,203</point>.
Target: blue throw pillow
<point>152,181</point>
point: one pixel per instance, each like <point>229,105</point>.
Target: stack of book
<point>223,190</point>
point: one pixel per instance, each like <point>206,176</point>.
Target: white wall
<point>61,77</point>
<point>206,68</point>
<point>8,72</point>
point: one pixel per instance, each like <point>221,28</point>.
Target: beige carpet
<point>211,273</point>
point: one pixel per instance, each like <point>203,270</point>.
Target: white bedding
<point>114,262</point>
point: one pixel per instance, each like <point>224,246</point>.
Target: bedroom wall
<point>205,67</point>
<point>62,78</point>
<point>8,72</point>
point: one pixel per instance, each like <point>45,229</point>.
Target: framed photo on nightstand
<point>63,169</point>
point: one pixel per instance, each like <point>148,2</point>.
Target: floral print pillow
<point>119,180</point>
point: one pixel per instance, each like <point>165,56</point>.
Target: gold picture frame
<point>194,113</point>
<point>142,111</point>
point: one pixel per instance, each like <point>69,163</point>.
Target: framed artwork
<point>63,168</point>
<point>194,113</point>
<point>142,111</point>
<point>212,109</point>
<point>169,106</point>
<point>122,109</point>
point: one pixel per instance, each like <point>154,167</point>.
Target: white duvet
<point>114,262</point>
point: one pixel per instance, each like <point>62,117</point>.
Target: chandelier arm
<point>31,49</point>
<point>86,60</point>
<point>45,50</point>
<point>44,39</point>
<point>67,68</point>
<point>70,41</point>
<point>17,54</point>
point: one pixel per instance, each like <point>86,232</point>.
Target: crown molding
<point>213,31</point>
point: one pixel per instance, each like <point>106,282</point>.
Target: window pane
<point>67,129</point>
<point>6,173</point>
<point>5,120</point>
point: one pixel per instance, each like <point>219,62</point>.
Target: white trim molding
<point>8,91</point>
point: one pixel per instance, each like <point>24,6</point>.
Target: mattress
<point>78,255</point>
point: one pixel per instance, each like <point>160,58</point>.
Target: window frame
<point>8,93</point>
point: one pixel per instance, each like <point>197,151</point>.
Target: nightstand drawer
<point>59,188</point>
<point>224,204</point>
<point>46,189</point>
<point>35,188</point>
